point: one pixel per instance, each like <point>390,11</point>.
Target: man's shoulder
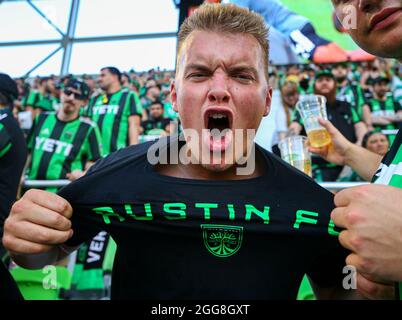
<point>107,173</point>
<point>87,121</point>
<point>342,105</point>
<point>120,157</point>
<point>291,179</point>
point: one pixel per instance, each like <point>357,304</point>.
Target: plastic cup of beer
<point>311,107</point>
<point>294,150</point>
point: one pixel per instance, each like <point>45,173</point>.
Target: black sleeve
<point>135,110</point>
<point>397,105</point>
<point>94,145</point>
<point>85,225</point>
<point>165,122</point>
<point>5,140</point>
<point>8,287</point>
<point>327,269</point>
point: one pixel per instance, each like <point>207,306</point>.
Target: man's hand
<point>74,175</point>
<point>337,150</point>
<point>372,217</point>
<point>38,222</point>
<point>343,152</point>
<point>374,289</point>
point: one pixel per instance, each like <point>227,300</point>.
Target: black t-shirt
<point>151,124</point>
<point>8,288</point>
<point>200,239</point>
<point>13,155</point>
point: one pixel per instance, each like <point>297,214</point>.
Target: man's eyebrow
<point>234,69</point>
<point>196,66</point>
<point>246,69</point>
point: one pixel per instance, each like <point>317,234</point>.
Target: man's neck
<point>65,117</point>
<point>198,172</point>
<point>344,83</point>
<point>383,98</point>
<point>113,89</point>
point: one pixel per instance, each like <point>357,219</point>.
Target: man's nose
<point>219,92</point>
<point>369,5</point>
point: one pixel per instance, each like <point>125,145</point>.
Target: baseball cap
<point>322,73</point>
<point>81,86</point>
<point>8,87</point>
<point>381,79</point>
<point>343,64</point>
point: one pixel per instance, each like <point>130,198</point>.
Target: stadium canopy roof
<point>51,29</point>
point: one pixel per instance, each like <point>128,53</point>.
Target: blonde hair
<point>226,18</point>
<point>289,86</point>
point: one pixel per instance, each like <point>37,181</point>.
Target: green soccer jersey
<point>39,101</point>
<point>59,147</point>
<point>398,93</point>
<point>389,108</point>
<point>5,141</point>
<point>390,171</point>
<point>111,114</point>
<point>353,94</point>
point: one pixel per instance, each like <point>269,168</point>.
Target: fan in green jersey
<point>62,144</point>
<point>384,111</point>
<point>45,98</point>
<point>117,112</point>
<point>346,90</point>
<point>374,233</point>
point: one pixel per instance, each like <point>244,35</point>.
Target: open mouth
<point>218,124</point>
<point>218,119</point>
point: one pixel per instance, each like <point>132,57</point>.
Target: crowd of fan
<point>363,100</point>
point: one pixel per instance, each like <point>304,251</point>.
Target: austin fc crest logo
<point>222,241</point>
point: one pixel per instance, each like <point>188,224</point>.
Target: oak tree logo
<point>222,241</point>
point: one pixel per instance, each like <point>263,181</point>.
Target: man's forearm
<point>364,162</point>
<point>133,136</point>
<point>38,261</point>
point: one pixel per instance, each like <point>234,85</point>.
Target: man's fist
<point>37,222</point>
<point>372,218</point>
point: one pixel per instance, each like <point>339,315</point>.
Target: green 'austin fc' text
<point>178,211</point>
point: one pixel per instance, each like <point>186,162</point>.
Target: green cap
<point>322,73</point>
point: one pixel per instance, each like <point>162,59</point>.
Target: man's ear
<point>268,100</point>
<point>173,95</point>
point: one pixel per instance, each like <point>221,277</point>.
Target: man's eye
<point>198,75</point>
<point>243,77</point>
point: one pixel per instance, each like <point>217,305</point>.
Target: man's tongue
<point>216,140</point>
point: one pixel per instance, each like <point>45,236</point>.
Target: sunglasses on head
<point>77,96</point>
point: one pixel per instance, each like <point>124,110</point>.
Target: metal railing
<point>333,186</point>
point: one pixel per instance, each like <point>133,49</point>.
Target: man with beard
<point>63,144</point>
<point>383,111</point>
<point>371,215</point>
<point>156,121</point>
<point>341,114</point>
<point>116,111</point>
<point>346,90</point>
<point>42,99</point>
